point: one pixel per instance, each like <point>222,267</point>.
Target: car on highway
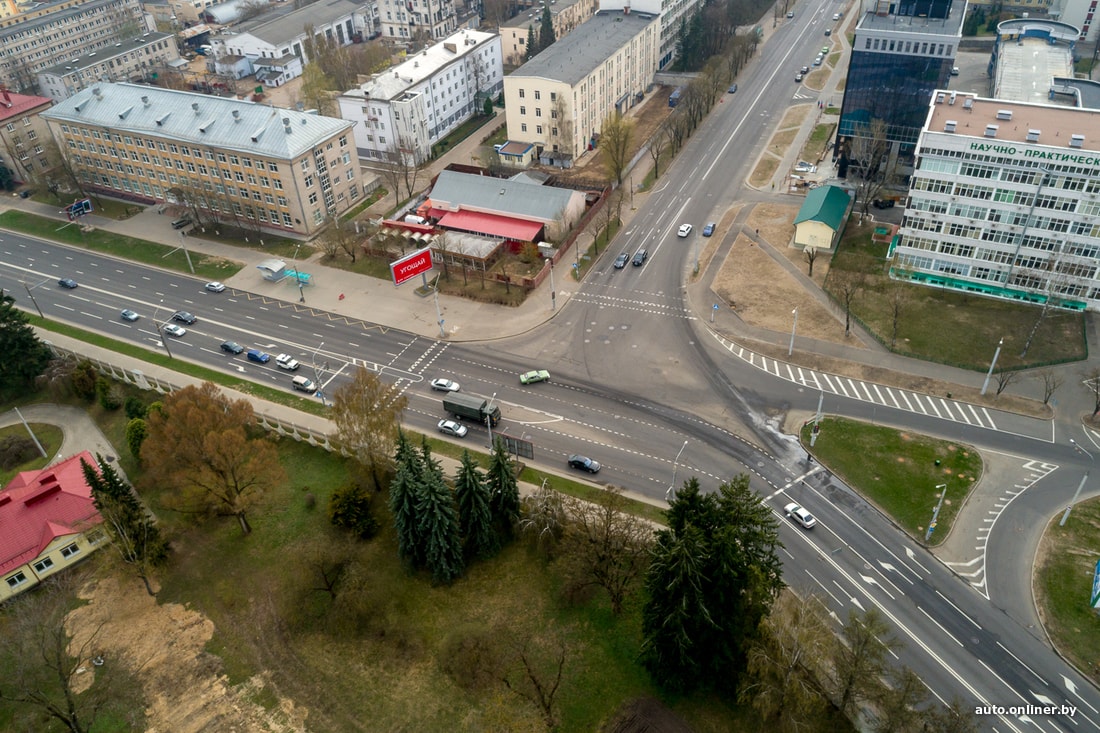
<point>824,51</point>
<point>286,361</point>
<point>450,427</point>
<point>639,258</point>
<point>129,315</point>
<point>805,69</point>
<point>534,376</point>
<point>444,385</point>
<point>215,287</point>
<point>800,515</point>
<point>828,31</point>
<point>302,384</point>
<point>790,14</point>
<point>67,282</point>
<point>232,347</point>
<point>184,317</point>
<point>584,463</point>
<point>258,356</point>
<point>708,229</point>
<point>817,61</point>
<point>173,330</point>
<point>732,89</point>
<point>799,77</point>
<point>621,260</point>
<point>836,16</point>
<point>685,229</point>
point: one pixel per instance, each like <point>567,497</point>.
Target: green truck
<point>469,407</point>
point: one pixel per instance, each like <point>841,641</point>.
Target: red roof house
<point>48,521</point>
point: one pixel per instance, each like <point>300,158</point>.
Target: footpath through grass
<point>118,245</point>
<point>898,471</point>
<point>49,436</point>
<point>1064,572</point>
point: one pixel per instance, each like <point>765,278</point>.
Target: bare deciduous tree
<point>810,255</point>
<point>1005,378</point>
<point>869,147</point>
<point>615,136</point>
<point>1051,383</point>
<point>848,284</point>
<point>367,414</point>
<point>537,671</point>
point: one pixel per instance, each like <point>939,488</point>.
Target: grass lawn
<point>49,436</point>
<point>117,245</point>
<point>977,323</point>
<point>1064,572</point>
<point>898,471</point>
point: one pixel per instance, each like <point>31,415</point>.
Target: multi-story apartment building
<point>25,136</point>
<point>900,54</point>
<point>8,9</point>
<point>671,12</point>
<point>1005,202</point>
<point>243,47</point>
<point>564,14</point>
<point>38,39</point>
<point>412,106</point>
<point>275,169</point>
<point>560,99</point>
<point>417,20</point>
<point>139,59</point>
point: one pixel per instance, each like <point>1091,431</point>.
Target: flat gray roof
<point>492,195</point>
<point>949,26</point>
<point>534,16</point>
<point>574,57</point>
<point>197,119</point>
<point>51,17</point>
<point>278,28</point>
<point>105,54</point>
<point>1025,70</point>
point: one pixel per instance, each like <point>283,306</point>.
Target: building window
<point>522,94</point>
<point>70,550</point>
<point>309,181</point>
<point>522,110</point>
<point>313,197</point>
<point>17,580</point>
<point>43,565</point>
<point>523,127</point>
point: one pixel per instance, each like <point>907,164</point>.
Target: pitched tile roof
<point>37,507</point>
<point>17,105</point>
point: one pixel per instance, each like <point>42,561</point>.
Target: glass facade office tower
<point>901,53</point>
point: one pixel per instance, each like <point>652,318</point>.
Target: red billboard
<point>411,265</point>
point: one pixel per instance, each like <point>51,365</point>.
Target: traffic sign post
<point>713,310</point>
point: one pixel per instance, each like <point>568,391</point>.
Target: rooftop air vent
<point>98,94</point>
<point>991,130</point>
<point>1033,136</point>
<point>949,125</point>
<point>236,115</point>
<point>195,106</point>
<point>145,100</point>
<point>940,97</point>
<point>1004,114</point>
<point>257,134</point>
<point>952,100</point>
<point>206,125</point>
<point>78,106</point>
<point>968,103</point>
<point>286,125</point>
<point>123,113</point>
<point>1076,141</point>
<point>162,118</point>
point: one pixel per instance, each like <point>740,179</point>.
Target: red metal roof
<point>494,225</point>
<point>15,105</point>
<point>37,507</point>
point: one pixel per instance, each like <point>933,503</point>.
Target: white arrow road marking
<point>871,581</point>
<point>1073,690</point>
<point>890,568</point>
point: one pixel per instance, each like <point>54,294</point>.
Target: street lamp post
<point>31,296</point>
<point>439,315</point>
<point>160,333</point>
<point>936,512</point>
<point>553,293</point>
<point>489,418</point>
<point>992,365</point>
<point>794,326</point>
<point>297,275</point>
<point>1084,479</point>
<point>675,466</point>
<point>317,375</point>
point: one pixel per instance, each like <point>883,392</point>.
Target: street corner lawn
<point>1064,569</point>
<point>901,472</point>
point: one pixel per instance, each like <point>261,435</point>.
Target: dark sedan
<point>584,463</point>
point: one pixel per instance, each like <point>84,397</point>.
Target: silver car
<point>450,427</point>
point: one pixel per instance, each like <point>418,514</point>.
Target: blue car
<point>258,356</point>
<point>708,229</point>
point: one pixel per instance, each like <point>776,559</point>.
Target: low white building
<point>412,106</point>
<point>278,34</point>
<point>135,60</point>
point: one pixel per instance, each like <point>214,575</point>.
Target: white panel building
<point>134,60</point>
<point>1005,202</point>
<point>412,106</point>
<point>671,12</point>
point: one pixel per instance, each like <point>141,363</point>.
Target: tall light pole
<point>489,418</point>
<point>297,274</point>
<point>553,293</point>
<point>992,364</point>
<point>794,327</point>
<point>31,296</point>
<point>936,511</point>
<point>675,465</point>
<point>439,314</point>
<point>317,376</point>
<point>1080,486</point>
<point>160,334</point>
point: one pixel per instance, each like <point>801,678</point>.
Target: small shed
<point>821,219</point>
<point>273,269</point>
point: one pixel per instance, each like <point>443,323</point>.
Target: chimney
<point>7,98</point>
<point>626,9</point>
<point>98,94</point>
<point>236,115</point>
<point>195,106</point>
<point>286,125</point>
<point>145,101</point>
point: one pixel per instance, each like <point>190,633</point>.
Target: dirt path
<point>166,645</point>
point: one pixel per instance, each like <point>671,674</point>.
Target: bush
<point>109,398</point>
<point>84,378</point>
<point>135,407</point>
<point>350,508</point>
<point>136,430</point>
<point>16,450</point>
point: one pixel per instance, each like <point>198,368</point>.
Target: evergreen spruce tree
<point>25,356</point>
<point>475,519</point>
<point>503,492</point>
<point>403,493</point>
<point>532,44</point>
<point>546,30</point>
<point>437,520</point>
<point>134,533</point>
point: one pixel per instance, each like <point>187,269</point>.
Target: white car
<point>804,167</point>
<point>173,330</point>
<point>286,361</point>
<point>800,515</point>
<point>685,229</point>
<point>450,427</point>
<point>215,287</point>
<point>444,385</point>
